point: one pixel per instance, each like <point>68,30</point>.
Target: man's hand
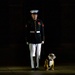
<point>42,42</point>
<point>27,43</point>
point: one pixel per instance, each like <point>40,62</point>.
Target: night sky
<point>59,20</point>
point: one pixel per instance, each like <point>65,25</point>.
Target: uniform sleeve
<point>42,31</point>
<point>26,32</point>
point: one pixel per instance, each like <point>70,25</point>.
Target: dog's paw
<point>52,69</point>
<point>46,69</point>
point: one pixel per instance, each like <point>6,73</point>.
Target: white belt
<point>34,31</point>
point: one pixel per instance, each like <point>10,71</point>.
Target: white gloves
<point>27,43</point>
<point>42,42</point>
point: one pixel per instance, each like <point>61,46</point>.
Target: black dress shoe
<point>36,68</point>
<point>33,69</point>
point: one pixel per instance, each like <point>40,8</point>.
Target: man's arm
<point>26,34</point>
<point>42,32</point>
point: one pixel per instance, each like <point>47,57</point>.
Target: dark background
<point>59,19</point>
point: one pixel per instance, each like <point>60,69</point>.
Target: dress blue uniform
<point>35,38</point>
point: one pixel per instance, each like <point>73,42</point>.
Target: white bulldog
<point>51,58</point>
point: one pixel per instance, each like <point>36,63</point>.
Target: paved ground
<point>59,70</point>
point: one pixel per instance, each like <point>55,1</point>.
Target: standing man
<point>34,38</point>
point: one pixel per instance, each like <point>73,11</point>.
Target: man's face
<point>34,16</point>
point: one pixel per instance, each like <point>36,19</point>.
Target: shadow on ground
<point>20,70</point>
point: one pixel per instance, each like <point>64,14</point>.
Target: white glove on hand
<point>42,42</point>
<point>27,43</point>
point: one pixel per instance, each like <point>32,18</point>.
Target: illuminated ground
<point>69,69</point>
